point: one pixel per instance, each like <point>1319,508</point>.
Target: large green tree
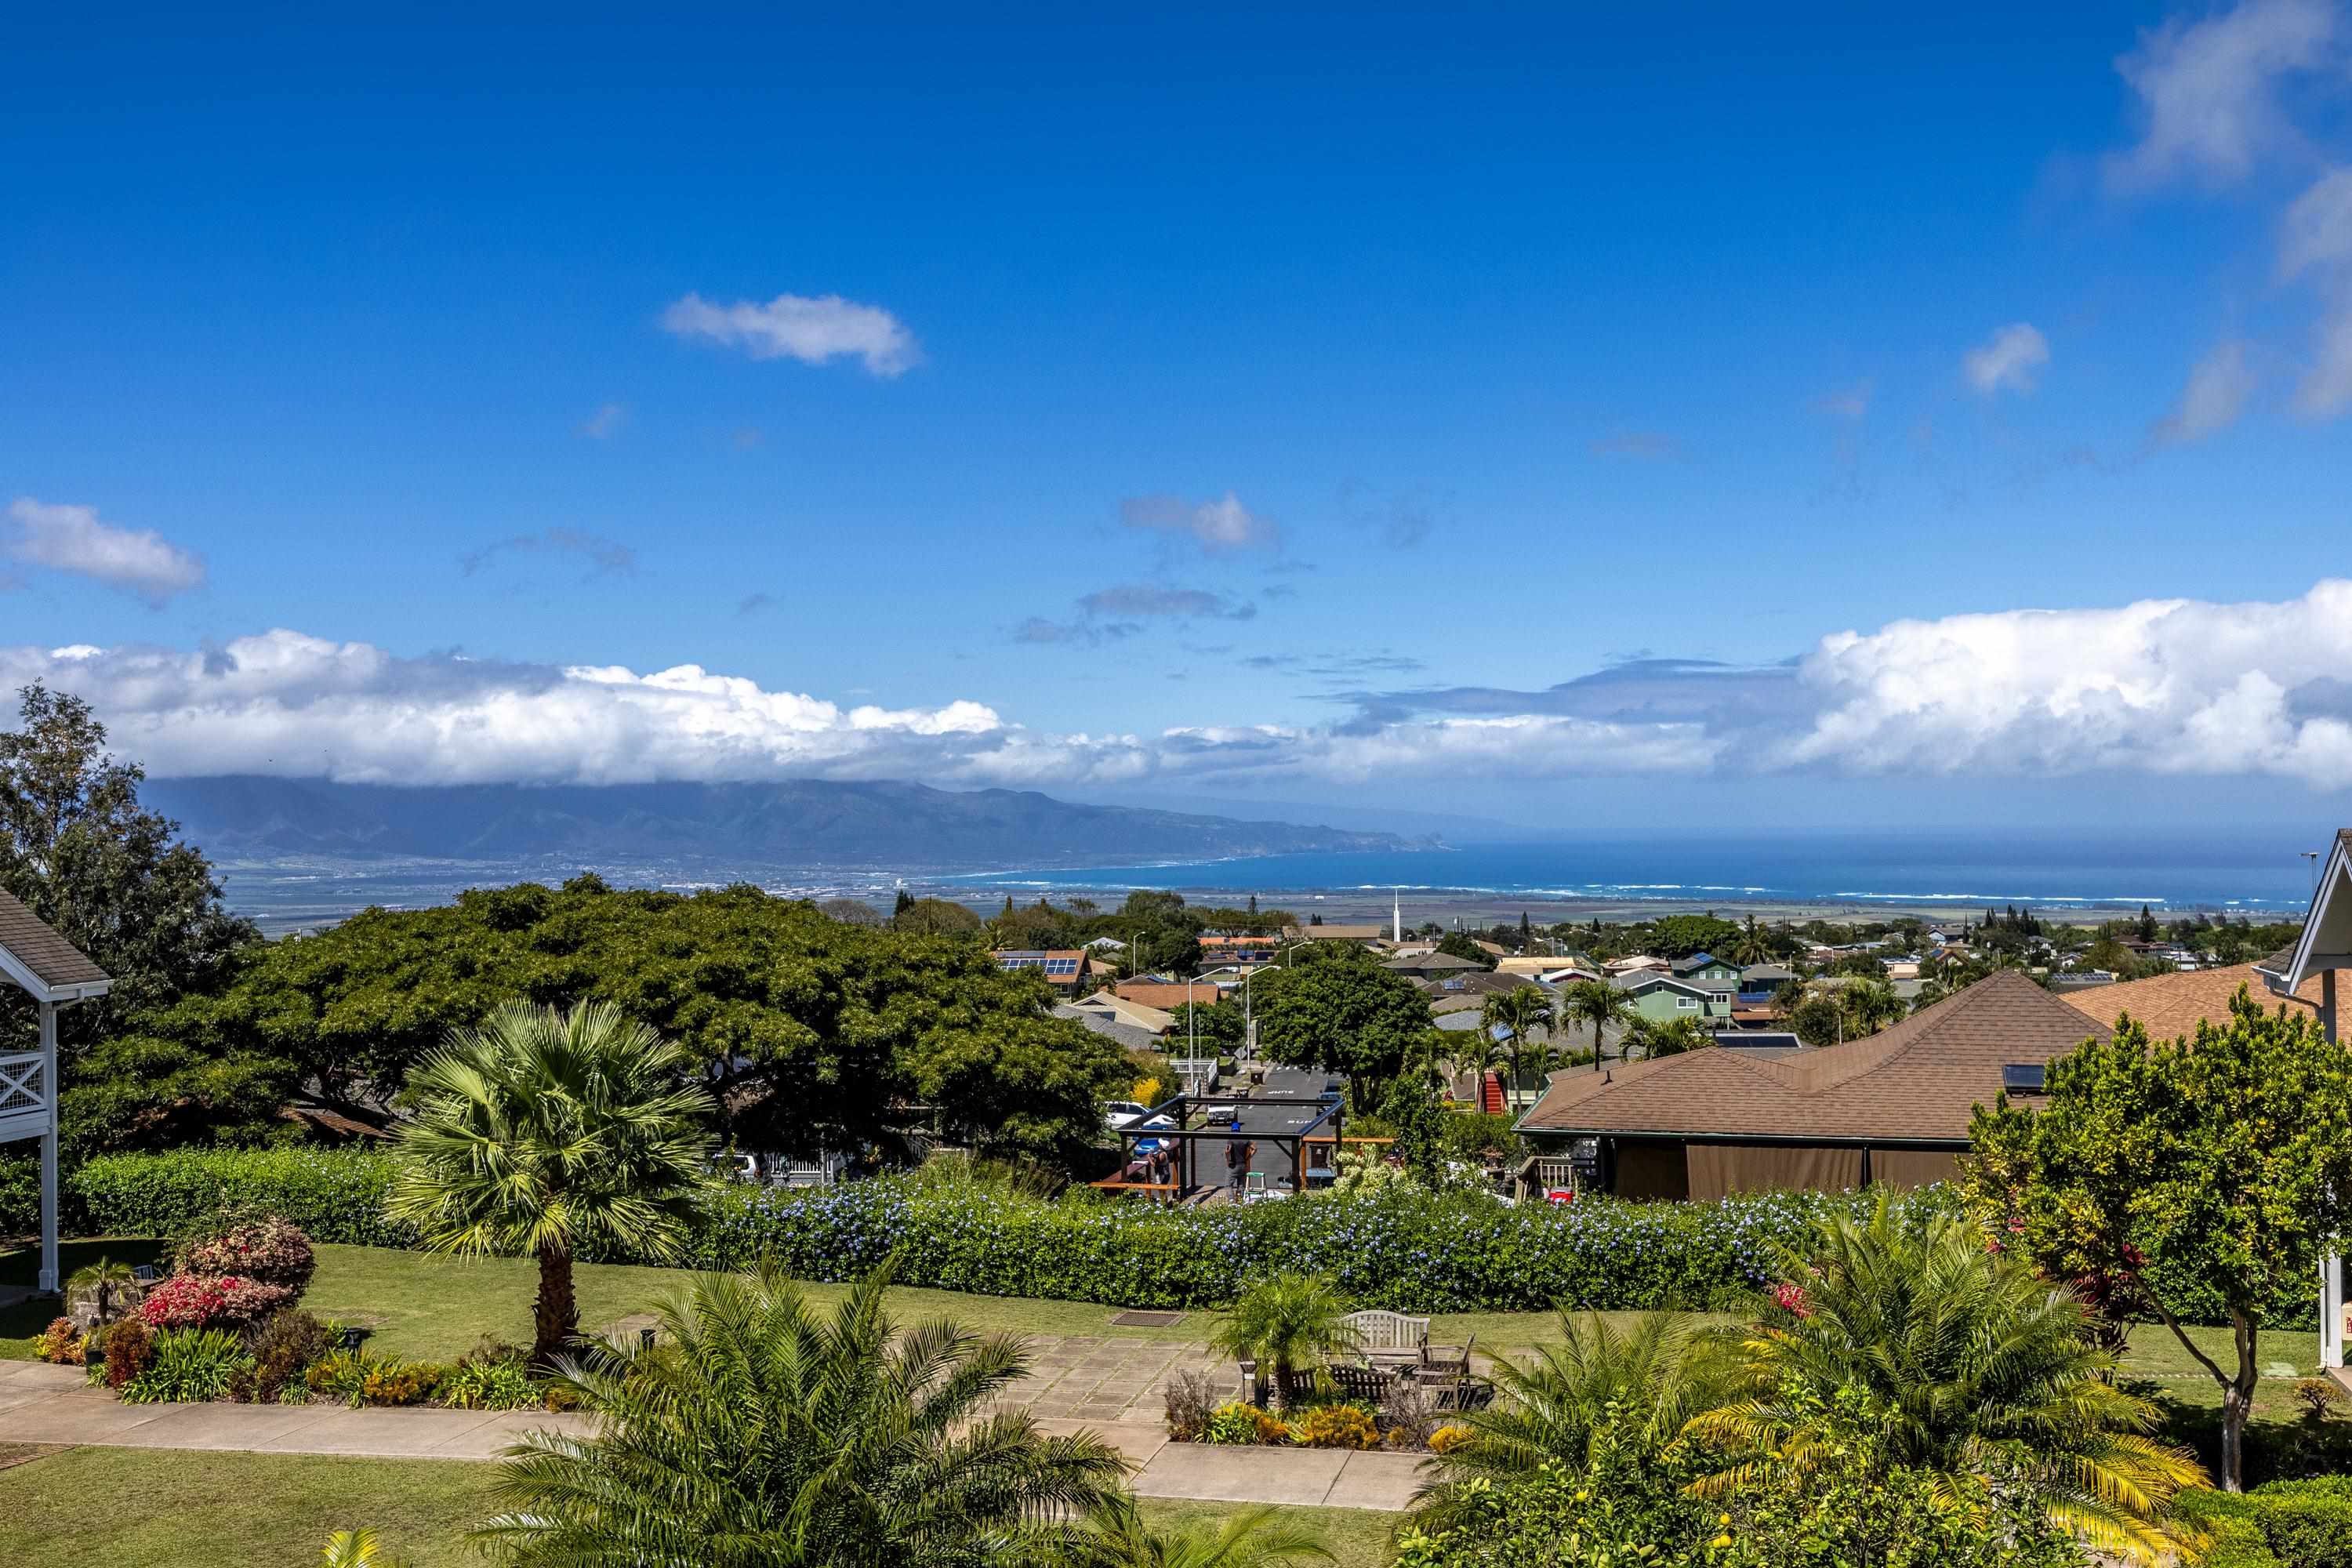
<point>758,1433</point>
<point>120,884</point>
<point>2183,1176</point>
<point>1679,936</point>
<point>813,1035</point>
<point>1336,1007</point>
<point>543,1134</point>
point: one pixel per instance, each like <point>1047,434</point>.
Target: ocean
<point>2252,876</point>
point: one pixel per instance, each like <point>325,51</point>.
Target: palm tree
<point>1982,1372</point>
<point>1248,1538</point>
<point>541,1132</point>
<point>353,1549</point>
<point>1290,1323</point>
<point>1642,1386</point>
<point>1597,1003</point>
<point>1672,1039</point>
<point>1517,1012</point>
<point>1869,1005</point>
<point>102,1279</point>
<point>1751,947</point>
<point>760,1434</point>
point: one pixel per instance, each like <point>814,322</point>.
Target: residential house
<point>1716,977</point>
<point>1662,998</point>
<point>1364,935</point>
<point>1895,1108</point>
<point>1109,1006</point>
<point>1170,995</point>
<point>1066,968</point>
<point>1633,964</point>
<point>1242,950</point>
<point>1430,964</point>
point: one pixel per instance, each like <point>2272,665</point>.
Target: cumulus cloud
<point>2160,687</point>
<point>604,556</point>
<point>1219,527</point>
<point>74,540</point>
<point>2008,360</point>
<point>795,326</point>
<point>2179,686</point>
<point>2215,395</point>
<point>2208,91</point>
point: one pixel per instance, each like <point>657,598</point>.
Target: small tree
<point>1518,1014</point>
<point>1291,1325</point>
<point>542,1132</point>
<point>1598,1004</point>
<point>2189,1175</point>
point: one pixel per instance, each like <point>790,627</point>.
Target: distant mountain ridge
<point>888,823</point>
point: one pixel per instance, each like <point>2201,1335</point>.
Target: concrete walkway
<point>43,1403</point>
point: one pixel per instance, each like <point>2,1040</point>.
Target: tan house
<point>1895,1108</point>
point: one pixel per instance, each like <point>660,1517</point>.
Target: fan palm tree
<point>1290,1323</point>
<point>1248,1538</point>
<point>1642,1385</point>
<point>760,1434</point>
<point>1652,1039</point>
<point>541,1132</point>
<point>1517,1015</point>
<point>102,1279</point>
<point>1982,1371</point>
<point>1597,1003</point>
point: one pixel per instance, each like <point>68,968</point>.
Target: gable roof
<point>1169,997</point>
<point>2171,1005</point>
<point>2327,939</point>
<point>1918,1080</point>
<point>1696,962</point>
<point>34,955</point>
<point>1634,982</point>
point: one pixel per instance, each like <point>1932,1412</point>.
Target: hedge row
<point>1405,1251</point>
<point>2289,1524</point>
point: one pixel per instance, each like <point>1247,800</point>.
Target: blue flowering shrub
<point>1402,1249</point>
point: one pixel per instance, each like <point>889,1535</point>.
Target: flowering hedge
<point>1401,1249</point>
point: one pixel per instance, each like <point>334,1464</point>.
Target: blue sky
<point>1240,404</point>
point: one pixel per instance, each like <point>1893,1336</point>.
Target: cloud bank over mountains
<point>2162,686</point>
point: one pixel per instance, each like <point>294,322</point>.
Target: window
<point>1686,1004</point>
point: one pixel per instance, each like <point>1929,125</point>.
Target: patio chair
<point>1448,1359</point>
<point>1363,1384</point>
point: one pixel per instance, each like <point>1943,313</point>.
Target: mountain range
<point>884,824</point>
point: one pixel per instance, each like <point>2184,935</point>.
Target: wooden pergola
<point>55,974</point>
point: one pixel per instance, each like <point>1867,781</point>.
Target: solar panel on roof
<point>2023,1078</point>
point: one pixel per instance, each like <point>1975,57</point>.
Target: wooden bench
<point>1389,1339</point>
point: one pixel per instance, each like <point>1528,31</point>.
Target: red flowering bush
<point>1790,1298</point>
<point>266,1248</point>
<point>185,1302</point>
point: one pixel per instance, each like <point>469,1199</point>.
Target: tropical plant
<point>2205,1173</point>
<point>189,1366</point>
<point>100,1282</point>
<point>1289,1324</point>
<point>1246,1538</point>
<point>542,1132</point>
<point>353,1548</point>
<point>1650,1038</point>
<point>1638,1387</point>
<point>283,1349</point>
<point>1512,1018</point>
<point>1598,1004</point>
<point>1974,1370</point>
<point>1752,946</point>
<point>1869,1005</point>
<point>759,1433</point>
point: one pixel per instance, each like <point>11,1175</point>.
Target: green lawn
<point>164,1510</point>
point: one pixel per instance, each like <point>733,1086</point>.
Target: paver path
<point>1112,1391</point>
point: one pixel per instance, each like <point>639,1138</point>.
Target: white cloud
<point>2208,89</point>
<point>793,326</point>
<point>2215,395</point>
<point>2008,360</point>
<point>1217,526</point>
<point>2178,685</point>
<point>2315,241</point>
<point>2159,686</point>
<point>72,540</point>
<point>605,423</point>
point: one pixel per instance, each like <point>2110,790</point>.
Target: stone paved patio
<point>1107,1379</point>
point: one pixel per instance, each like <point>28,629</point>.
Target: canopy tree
<point>1336,1007</point>
<point>2186,1179</point>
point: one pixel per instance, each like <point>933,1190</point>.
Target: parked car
<point>1119,1113</point>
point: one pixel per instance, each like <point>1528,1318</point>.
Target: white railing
<point>24,1084</point>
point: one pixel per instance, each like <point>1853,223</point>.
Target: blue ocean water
<point>2252,876</point>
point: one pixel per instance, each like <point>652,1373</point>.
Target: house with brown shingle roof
<point>2170,1007</point>
<point>1895,1108</point>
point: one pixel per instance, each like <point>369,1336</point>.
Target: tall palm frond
<point>1248,1538</point>
<point>1642,1384</point>
<point>1981,1371</point>
<point>544,1132</point>
<point>1596,1003</point>
<point>760,1434</point>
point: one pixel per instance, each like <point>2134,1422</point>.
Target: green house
<point>1706,972</point>
<point>1662,998</point>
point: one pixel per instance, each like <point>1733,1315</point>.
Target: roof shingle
<point>1919,1080</point>
<point>54,961</point>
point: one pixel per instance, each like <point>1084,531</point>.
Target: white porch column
<point>50,1278</point>
<point>2331,1270</point>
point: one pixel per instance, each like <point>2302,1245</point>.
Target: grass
<point>170,1510</point>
